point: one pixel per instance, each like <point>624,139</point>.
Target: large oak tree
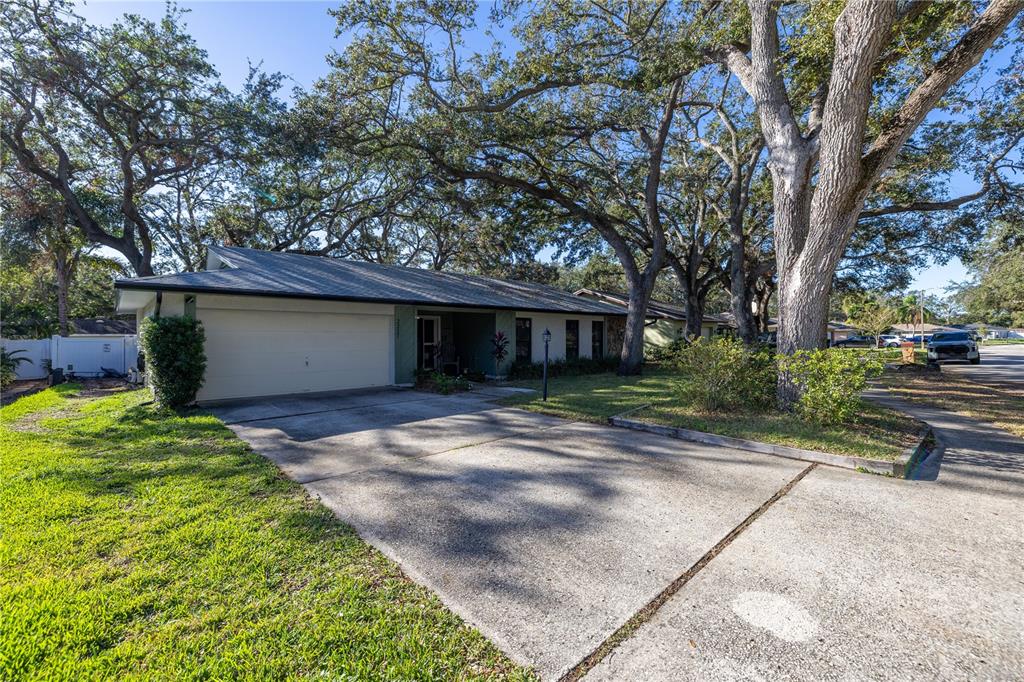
<point>826,160</point>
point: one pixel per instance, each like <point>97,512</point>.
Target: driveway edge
<point>901,467</point>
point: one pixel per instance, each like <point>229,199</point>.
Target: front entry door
<point>428,336</point>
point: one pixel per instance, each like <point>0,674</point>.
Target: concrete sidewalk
<point>857,577</point>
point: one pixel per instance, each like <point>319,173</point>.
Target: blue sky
<point>294,38</point>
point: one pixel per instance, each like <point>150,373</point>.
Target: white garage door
<point>256,353</point>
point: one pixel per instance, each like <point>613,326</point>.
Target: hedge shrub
<point>564,368</point>
<point>432,380</point>
<point>667,354</point>
<point>723,373</point>
<point>830,381</point>
<point>175,358</point>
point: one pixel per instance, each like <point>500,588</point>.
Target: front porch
<point>450,340</point>
<point>454,343</point>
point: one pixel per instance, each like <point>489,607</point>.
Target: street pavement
<point>1001,366</point>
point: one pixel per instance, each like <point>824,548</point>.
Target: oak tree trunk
<point>739,296</point>
<point>694,315</point>
<point>632,357</point>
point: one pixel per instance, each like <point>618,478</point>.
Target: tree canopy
<point>762,152</point>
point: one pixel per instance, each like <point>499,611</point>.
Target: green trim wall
<point>472,331</point>
<point>505,321</point>
<point>472,340</point>
<point>405,344</point>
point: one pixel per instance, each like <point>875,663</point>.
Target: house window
<point>572,339</point>
<point>524,339</point>
<point>190,306</point>
<point>597,339</point>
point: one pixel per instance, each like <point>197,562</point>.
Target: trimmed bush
<point>666,354</point>
<point>830,381</point>
<point>723,373</point>
<point>175,359</point>
<point>564,368</point>
<point>9,362</point>
<point>431,380</point>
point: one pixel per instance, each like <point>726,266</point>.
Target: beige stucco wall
<point>259,346</point>
<point>663,332</point>
<point>556,323</point>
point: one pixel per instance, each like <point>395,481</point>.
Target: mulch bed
<point>22,388</point>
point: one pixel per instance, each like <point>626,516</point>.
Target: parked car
<point>856,342</point>
<point>953,346</point>
<point>918,338</point>
<point>889,341</point>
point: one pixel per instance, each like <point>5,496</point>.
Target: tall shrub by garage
<point>175,358</point>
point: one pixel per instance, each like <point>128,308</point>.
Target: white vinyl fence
<point>83,355</point>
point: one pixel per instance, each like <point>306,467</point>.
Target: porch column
<point>405,344</point>
<point>505,321</point>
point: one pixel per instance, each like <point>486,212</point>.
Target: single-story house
<point>284,323</point>
<point>665,322</point>
<point>926,328</point>
<point>835,330</point>
<point>840,331</point>
<point>994,331</point>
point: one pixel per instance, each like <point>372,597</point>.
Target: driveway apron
<point>544,534</point>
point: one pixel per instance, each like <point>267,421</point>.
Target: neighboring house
<point>836,331</point>
<point>101,325</point>
<point>665,322</point>
<point>840,331</point>
<point>926,328</point>
<point>994,331</point>
<point>284,323</point>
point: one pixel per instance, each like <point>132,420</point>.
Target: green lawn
<point>878,433</point>
<point>138,543</point>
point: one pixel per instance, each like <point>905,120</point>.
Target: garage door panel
<point>253,353</point>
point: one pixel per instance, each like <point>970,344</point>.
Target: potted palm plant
<point>499,351</point>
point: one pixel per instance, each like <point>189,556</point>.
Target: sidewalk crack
<point>631,626</point>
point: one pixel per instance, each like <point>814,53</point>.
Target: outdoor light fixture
<point>547,339</point>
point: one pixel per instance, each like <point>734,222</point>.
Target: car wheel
<point>975,361</point>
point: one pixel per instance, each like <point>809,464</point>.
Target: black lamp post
<point>547,340</point>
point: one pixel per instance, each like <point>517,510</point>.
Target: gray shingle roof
<point>273,273</point>
<point>655,309</point>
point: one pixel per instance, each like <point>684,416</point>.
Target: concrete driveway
<point>549,535</point>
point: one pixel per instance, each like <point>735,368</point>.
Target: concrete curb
<point>900,468</point>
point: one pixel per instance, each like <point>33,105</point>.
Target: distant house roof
<point>655,309</point>
<point>101,325</point>
<point>832,325</point>
<point>251,272</point>
<point>926,328</point>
